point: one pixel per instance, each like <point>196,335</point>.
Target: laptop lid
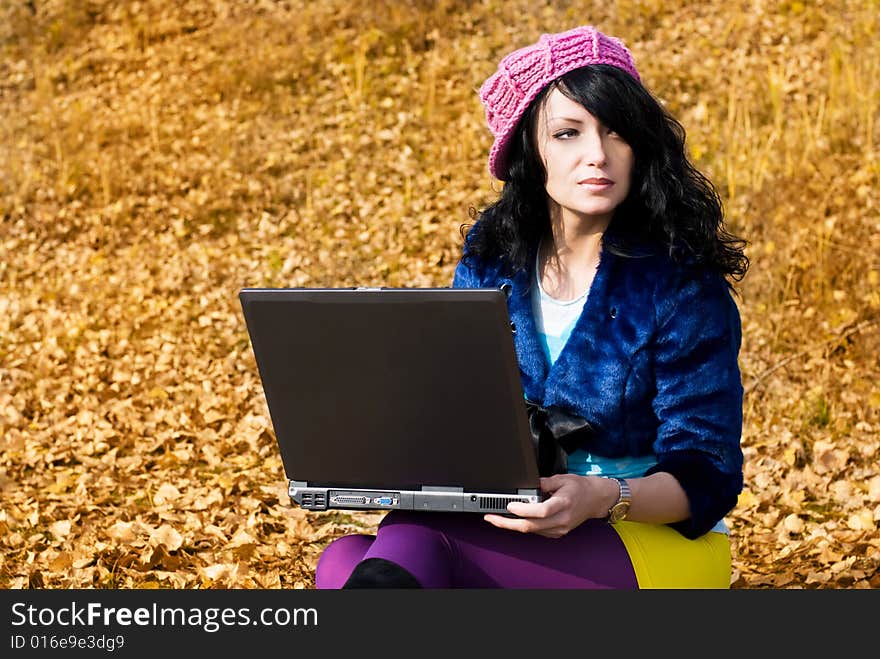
<point>393,388</point>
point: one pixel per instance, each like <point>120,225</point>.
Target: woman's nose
<point>594,149</point>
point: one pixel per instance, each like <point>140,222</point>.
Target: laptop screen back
<point>392,387</point>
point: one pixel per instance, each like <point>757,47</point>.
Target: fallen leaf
<point>793,524</point>
<point>166,493</point>
<point>827,458</point>
<point>122,532</point>
<point>861,521</point>
<point>63,561</point>
<point>60,529</point>
<point>166,535</point>
<point>874,489</point>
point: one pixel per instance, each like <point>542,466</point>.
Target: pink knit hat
<point>522,74</point>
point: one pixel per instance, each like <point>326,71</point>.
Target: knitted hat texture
<point>522,74</point>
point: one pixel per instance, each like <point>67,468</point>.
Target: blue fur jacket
<point>652,366</point>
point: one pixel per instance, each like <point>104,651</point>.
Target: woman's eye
<point>564,134</point>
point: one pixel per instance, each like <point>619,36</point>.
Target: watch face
<point>618,512</point>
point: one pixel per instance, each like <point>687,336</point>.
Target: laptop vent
<point>498,503</point>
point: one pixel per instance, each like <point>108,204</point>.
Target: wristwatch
<point>618,511</point>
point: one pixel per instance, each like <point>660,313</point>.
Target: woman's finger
<point>511,523</point>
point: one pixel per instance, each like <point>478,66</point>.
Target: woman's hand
<point>573,500</point>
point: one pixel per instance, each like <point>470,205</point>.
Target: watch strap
<point>619,510</point>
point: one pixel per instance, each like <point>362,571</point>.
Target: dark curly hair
<point>671,207</point>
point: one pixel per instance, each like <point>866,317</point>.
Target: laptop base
<point>439,499</point>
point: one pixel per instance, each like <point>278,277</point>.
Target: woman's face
<point>589,167</point>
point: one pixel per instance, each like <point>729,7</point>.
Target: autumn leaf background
<point>156,157</point>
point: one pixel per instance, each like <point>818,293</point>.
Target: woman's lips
<point>596,184</point>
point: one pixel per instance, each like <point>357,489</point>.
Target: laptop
<point>394,398</point>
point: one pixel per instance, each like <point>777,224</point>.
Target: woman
<point>618,270</point>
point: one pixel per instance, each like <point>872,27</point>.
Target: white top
<point>554,318</point>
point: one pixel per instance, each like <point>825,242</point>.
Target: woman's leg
<point>339,558</point>
<point>460,550</point>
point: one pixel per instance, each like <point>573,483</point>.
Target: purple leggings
<point>462,550</point>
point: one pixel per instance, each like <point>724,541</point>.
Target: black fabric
<point>379,573</point>
<point>555,434</point>
<point>711,492</point>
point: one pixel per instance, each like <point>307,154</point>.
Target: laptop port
<point>343,499</point>
<point>386,501</point>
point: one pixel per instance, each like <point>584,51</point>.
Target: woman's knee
<point>339,558</point>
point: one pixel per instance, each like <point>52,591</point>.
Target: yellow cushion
<point>663,558</point>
